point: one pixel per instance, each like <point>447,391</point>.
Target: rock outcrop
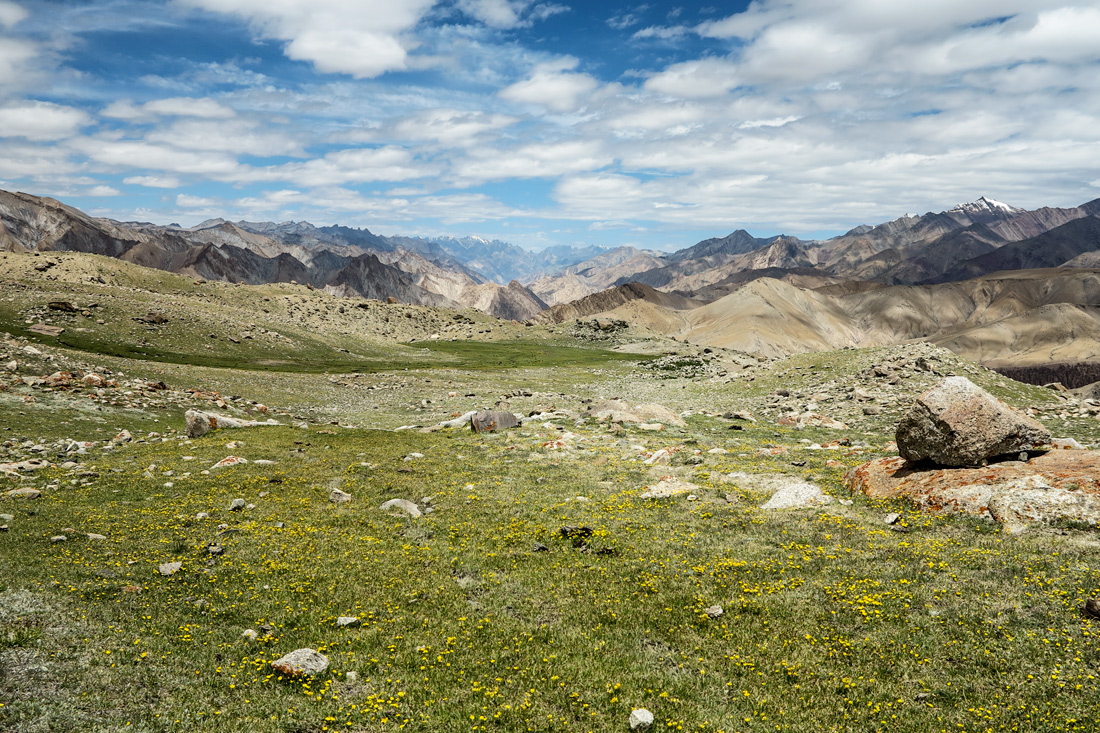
<point>1060,485</point>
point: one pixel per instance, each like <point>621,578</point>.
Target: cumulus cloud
<point>552,85</point>
<point>36,120</point>
<point>363,38</point>
<point>708,77</point>
<point>10,13</point>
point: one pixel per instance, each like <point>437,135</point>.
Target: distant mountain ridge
<point>344,261</point>
<point>997,283</point>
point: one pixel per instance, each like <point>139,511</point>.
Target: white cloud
<point>353,165</point>
<point>236,136</point>
<point>709,77</point>
<point>664,33</point>
<point>540,160</point>
<point>447,127</point>
<point>195,202</point>
<point>10,13</point>
<point>189,107</point>
<point>505,14</point>
<point>153,181</point>
<point>552,85</point>
<point>363,38</point>
<point>204,108</point>
<point>14,55</point>
<point>773,122</point>
<point>102,190</point>
<point>36,120</point>
<point>138,154</point>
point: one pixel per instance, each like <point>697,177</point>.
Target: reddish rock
<point>1060,485</point>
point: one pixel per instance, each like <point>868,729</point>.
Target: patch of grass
<point>831,620</point>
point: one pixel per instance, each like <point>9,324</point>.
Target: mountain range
<point>999,284</point>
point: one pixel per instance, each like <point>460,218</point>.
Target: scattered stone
<point>812,419</point>
<point>58,538</point>
<point>640,719</point>
<point>714,611</point>
<point>202,515</point>
<point>459,422</point>
<point>660,457</point>
<point>11,366</point>
<point>539,547</point>
<point>200,423</point>
<point>230,461</point>
<point>250,634</point>
<point>891,518</point>
<point>960,424</point>
<point>336,496</point>
<point>237,505</point>
<point>301,663</point>
<point>1091,608</point>
<point>94,536</point>
<point>27,493</point>
<point>666,488</point>
<point>46,330</point>
<point>215,550</point>
<point>798,495</point>
<point>169,568</point>
<point>402,505</point>
<point>1065,444</point>
<point>489,421</point>
<point>348,621</point>
<point>651,426</point>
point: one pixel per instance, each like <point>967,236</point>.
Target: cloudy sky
<point>550,121</point>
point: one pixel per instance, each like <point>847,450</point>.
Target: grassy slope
<point>832,622</point>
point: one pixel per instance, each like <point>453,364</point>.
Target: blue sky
<point>548,122</point>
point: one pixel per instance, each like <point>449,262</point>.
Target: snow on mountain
<point>985,206</point>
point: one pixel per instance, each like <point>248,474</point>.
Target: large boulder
<point>489,421</point>
<point>960,424</point>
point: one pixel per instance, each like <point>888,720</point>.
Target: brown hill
<point>609,300</point>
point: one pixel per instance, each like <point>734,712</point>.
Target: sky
<point>550,122</point>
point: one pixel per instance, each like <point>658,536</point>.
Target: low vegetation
<point>540,592</point>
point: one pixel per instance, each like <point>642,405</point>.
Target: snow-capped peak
<point>986,206</point>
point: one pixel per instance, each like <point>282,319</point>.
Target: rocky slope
<point>337,259</point>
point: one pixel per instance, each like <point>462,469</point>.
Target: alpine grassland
<point>538,590</point>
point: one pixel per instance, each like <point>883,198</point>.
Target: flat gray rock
<point>960,424</point>
<point>401,505</point>
<point>798,495</point>
<point>301,663</point>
